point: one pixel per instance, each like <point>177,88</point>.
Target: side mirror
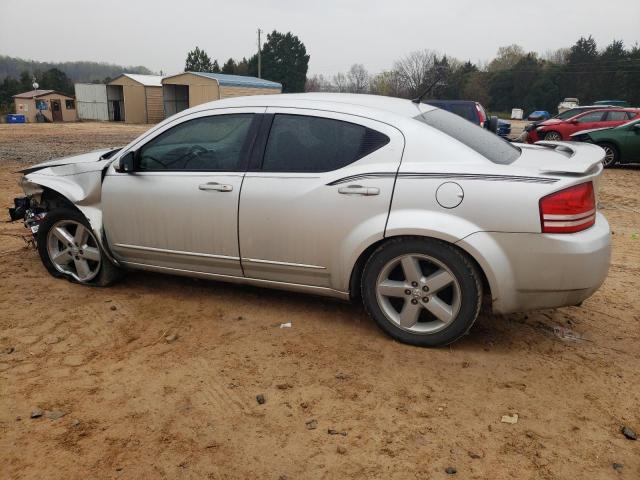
<point>127,163</point>
<point>573,122</point>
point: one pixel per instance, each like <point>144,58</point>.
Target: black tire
<point>108,272</point>
<point>549,136</point>
<point>459,265</point>
<point>612,154</point>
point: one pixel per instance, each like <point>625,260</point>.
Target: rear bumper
<point>528,271</point>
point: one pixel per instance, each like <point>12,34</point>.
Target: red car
<point>555,129</point>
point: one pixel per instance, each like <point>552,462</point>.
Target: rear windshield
<point>465,110</point>
<point>473,136</point>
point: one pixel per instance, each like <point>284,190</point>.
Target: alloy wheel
<point>418,293</point>
<point>73,250</point>
<point>553,137</point>
<point>609,156</point>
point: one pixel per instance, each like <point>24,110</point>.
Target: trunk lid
<point>561,157</point>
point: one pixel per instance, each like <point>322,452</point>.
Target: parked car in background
<point>555,129</point>
<point>612,103</point>
<point>504,128</point>
<point>567,104</point>
<point>539,115</point>
<point>295,192</point>
<point>566,114</point>
<point>469,109</point>
<point>621,144</point>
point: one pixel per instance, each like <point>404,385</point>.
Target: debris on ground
<point>285,325</point>
<point>617,466</point>
<point>37,413</point>
<point>341,449</point>
<point>283,386</point>
<point>311,424</point>
<point>171,338</point>
<point>55,414</point>
<point>8,350</point>
<point>629,433</point>
<point>450,471</point>
<point>512,419</point>
<point>567,334</point>
<point>260,399</point>
<point>342,376</point>
<point>333,431</point>
<point>113,308</point>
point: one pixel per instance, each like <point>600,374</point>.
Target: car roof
<point>376,105</point>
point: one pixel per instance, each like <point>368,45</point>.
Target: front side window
<point>215,143</point>
<point>300,143</point>
<point>591,117</point>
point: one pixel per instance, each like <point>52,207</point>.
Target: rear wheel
<point>611,155</point>
<point>421,291</point>
<point>553,136</point>
<point>68,248</point>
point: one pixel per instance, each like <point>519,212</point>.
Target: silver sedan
<point>413,210</point>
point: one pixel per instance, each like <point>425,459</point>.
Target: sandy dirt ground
<point>342,399</point>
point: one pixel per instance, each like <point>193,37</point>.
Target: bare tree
<point>357,79</point>
<point>416,70</point>
<point>318,83</point>
<point>558,56</point>
<point>340,83</point>
<point>507,57</point>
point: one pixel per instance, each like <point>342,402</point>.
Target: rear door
<point>321,189</point>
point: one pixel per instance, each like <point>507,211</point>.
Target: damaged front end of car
<point>73,182</point>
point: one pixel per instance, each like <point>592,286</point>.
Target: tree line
<point>284,59</point>
<point>513,79</point>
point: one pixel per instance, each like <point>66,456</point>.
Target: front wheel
<point>421,291</point>
<point>553,136</point>
<point>68,248</point>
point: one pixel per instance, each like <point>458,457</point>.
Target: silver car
<point>416,211</point>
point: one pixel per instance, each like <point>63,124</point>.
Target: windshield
<point>572,112</point>
<point>482,141</point>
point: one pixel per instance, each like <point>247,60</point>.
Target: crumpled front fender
<point>81,184</point>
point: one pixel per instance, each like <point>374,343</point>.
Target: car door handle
<point>358,190</point>
<point>218,187</point>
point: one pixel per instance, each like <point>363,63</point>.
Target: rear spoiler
<point>580,157</point>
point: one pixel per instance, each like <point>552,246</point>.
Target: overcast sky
<point>337,33</point>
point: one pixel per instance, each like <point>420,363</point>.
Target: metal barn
<point>189,89</point>
<point>133,98</point>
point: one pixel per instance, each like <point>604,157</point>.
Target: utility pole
<point>259,59</point>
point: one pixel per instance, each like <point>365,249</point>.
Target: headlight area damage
<point>74,182</point>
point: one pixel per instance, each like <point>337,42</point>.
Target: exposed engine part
<point>29,211</point>
<point>19,210</point>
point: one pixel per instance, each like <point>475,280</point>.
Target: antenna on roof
<point>430,87</point>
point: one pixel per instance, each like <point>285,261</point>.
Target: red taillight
<point>481,115</point>
<point>570,210</point>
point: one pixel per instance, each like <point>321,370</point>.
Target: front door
<point>116,110</point>
<point>178,210</point>
<point>321,190</point>
<point>56,111</point>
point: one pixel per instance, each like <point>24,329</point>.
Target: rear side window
<point>300,143</point>
<point>617,116</point>
<point>473,136</point>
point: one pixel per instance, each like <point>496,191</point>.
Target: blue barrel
<point>12,118</point>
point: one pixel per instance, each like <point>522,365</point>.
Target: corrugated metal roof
<point>239,80</point>
<point>146,80</point>
<point>33,93</point>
